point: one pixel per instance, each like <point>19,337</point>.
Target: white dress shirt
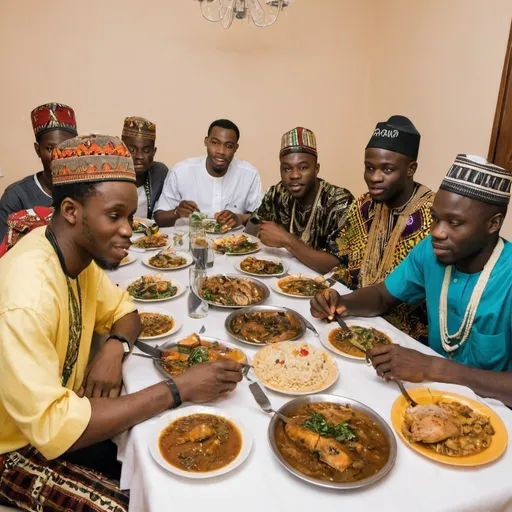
<point>239,190</point>
<point>142,204</point>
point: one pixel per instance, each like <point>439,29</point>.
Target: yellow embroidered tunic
<point>34,332</point>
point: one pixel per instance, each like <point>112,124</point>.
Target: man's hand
<point>394,362</point>
<point>227,218</point>
<point>326,303</point>
<point>186,208</point>
<point>273,235</point>
<point>206,381</point>
<point>103,377</point>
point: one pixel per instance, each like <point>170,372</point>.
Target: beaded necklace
<point>469,316</point>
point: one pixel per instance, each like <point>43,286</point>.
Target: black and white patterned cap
<point>474,177</point>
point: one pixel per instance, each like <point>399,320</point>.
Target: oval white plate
<point>211,232</point>
<point>171,416</point>
<point>131,258</point>
<point>250,238</point>
<point>324,336</point>
<point>186,255</point>
<point>181,290</point>
<point>137,236</point>
<point>286,266</point>
<point>178,322</point>
<point>276,288</point>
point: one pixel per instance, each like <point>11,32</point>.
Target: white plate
<point>211,232</point>
<point>178,322</point>
<point>146,222</point>
<point>332,377</point>
<point>250,238</point>
<point>186,255</point>
<point>137,236</point>
<point>324,336</point>
<point>286,266</point>
<point>165,420</point>
<point>276,288</point>
<point>181,290</point>
<point>131,258</point>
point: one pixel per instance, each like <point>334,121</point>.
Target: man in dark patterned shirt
<point>302,213</point>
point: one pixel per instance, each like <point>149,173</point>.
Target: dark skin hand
<point>367,302</point>
<point>103,376</point>
<point>393,362</point>
<point>274,235</point>
<point>201,383</point>
<point>169,218</point>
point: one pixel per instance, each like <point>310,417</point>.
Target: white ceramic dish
<point>165,420</point>
<point>274,285</point>
<point>249,237</point>
<point>178,322</point>
<point>131,258</point>
<point>286,266</point>
<point>186,255</point>
<point>181,290</point>
<point>324,336</point>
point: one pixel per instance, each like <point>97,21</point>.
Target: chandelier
<point>262,13</point>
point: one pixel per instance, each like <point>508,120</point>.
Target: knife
<point>347,331</point>
<point>148,349</point>
<point>309,325</point>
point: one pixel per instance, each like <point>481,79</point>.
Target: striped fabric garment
<point>31,482</point>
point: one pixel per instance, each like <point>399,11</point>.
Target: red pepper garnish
<point>304,352</point>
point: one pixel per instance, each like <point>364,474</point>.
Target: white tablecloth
<point>260,484</point>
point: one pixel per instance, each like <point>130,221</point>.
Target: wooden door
<point>500,151</point>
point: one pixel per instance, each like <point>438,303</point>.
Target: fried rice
<point>294,367</point>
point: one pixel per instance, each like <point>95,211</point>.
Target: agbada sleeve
<point>49,415</point>
<point>112,303</point>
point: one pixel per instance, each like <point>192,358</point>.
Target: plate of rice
<point>295,368</point>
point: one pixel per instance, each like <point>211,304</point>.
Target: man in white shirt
<point>218,185</point>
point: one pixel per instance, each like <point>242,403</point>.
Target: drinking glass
<point>201,250</point>
<point>197,307</point>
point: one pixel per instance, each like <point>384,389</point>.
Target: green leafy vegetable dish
<point>152,288</point>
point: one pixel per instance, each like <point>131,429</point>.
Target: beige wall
<point>336,66</point>
<point>440,63</point>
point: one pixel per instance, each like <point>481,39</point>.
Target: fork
<point>399,383</point>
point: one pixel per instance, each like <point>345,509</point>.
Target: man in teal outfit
<point>463,271</point>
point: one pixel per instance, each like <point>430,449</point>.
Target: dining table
<point>261,483</point>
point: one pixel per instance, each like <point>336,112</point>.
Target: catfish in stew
<point>332,442</point>
<point>200,443</point>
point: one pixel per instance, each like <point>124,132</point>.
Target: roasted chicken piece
<point>430,424</point>
<point>197,434</point>
<point>329,451</point>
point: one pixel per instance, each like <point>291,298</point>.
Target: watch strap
<point>174,392</point>
<point>124,341</point>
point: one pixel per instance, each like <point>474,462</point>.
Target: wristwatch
<point>124,341</point>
